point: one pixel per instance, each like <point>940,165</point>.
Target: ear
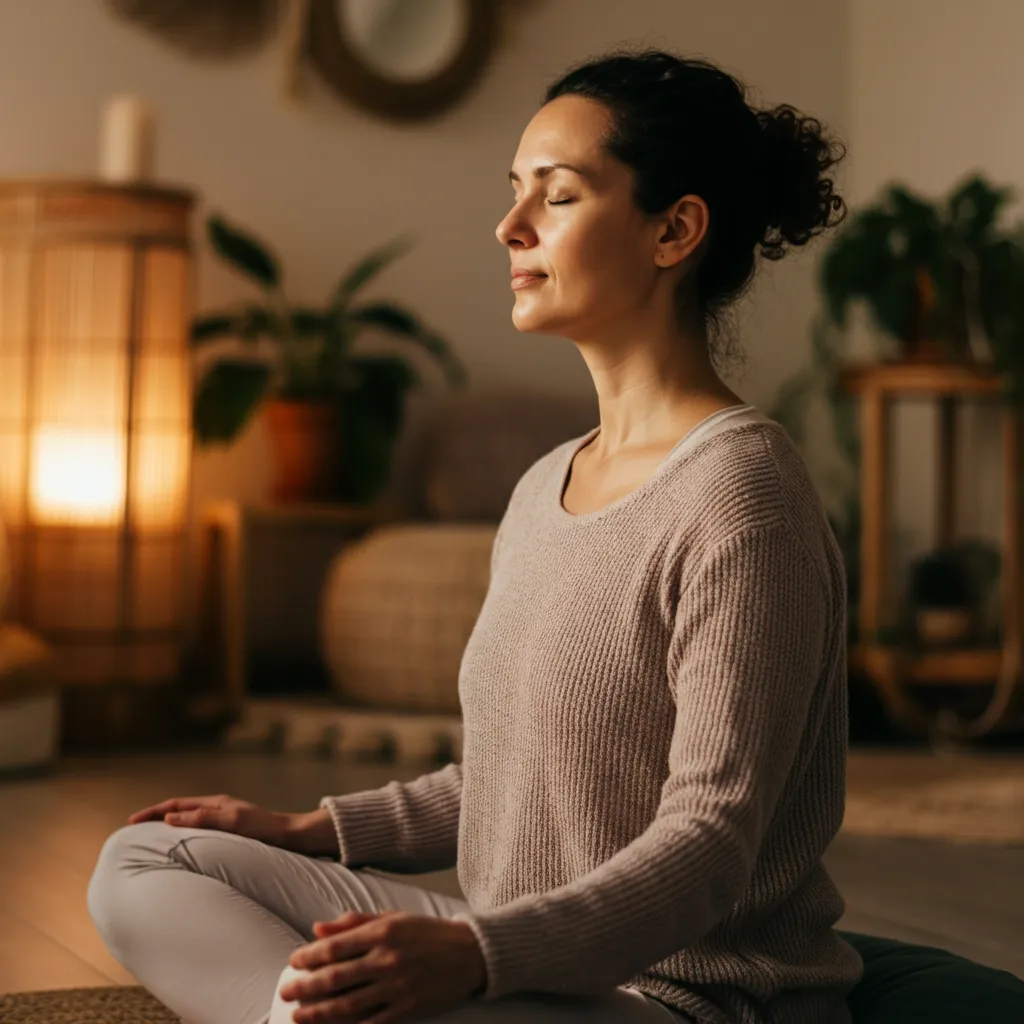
<point>683,227</point>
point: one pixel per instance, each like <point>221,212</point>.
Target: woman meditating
<point>654,693</point>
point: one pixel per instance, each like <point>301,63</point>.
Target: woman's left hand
<point>385,969</point>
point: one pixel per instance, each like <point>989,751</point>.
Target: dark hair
<point>684,126</point>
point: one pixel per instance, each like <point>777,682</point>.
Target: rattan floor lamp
<point>95,441</point>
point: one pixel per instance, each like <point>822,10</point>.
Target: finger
<point>202,817</point>
<point>344,1006</point>
<point>347,920</point>
<point>340,977</point>
<point>333,946</point>
<point>160,809</point>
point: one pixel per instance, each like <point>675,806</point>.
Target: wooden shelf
<point>897,670</point>
<point>953,666</point>
<point>903,378</point>
<point>226,530</point>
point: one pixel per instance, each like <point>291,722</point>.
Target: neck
<point>651,389</point>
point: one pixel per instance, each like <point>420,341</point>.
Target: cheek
<point>602,269</point>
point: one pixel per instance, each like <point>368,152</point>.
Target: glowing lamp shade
<point>95,301</point>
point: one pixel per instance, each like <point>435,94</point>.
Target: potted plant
<point>940,279</point>
<point>332,413</point>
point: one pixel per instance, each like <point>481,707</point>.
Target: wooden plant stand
<point>895,671</point>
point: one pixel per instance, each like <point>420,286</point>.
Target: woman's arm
<point>750,637</point>
<point>401,827</point>
<point>411,827</point>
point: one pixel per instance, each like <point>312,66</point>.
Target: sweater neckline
<point>721,419</point>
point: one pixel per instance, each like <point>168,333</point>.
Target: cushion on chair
<point>908,984</point>
<point>27,664</point>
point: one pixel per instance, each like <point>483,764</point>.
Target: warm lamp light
<point>95,435</point>
<point>77,476</point>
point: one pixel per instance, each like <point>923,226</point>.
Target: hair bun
<point>798,200</point>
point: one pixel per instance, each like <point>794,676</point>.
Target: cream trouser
<point>207,920</point>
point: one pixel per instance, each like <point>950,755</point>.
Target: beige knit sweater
<point>654,708</point>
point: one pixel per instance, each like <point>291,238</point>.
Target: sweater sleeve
<point>405,827</point>
<point>746,654</point>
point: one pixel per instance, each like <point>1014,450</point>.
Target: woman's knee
<point>281,1010</point>
<point>125,853</point>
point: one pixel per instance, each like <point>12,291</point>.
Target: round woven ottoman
<point>397,610</point>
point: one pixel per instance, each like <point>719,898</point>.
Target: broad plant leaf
<point>243,250</point>
<point>248,324</point>
<point>228,395</point>
<point>389,317</point>
<point>974,208</point>
<point>212,328</point>
<point>365,270</point>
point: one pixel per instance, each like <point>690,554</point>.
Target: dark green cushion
<point>908,984</point>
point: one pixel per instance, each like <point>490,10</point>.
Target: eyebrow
<point>543,170</point>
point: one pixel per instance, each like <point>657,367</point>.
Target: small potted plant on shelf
<point>941,279</point>
<point>943,597</point>
<point>332,413</point>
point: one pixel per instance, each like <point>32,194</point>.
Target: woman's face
<point>575,227</point>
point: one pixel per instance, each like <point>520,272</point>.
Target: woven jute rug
<point>125,1004</point>
<point>956,797</point>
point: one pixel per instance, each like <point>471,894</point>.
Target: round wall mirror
<point>405,59</point>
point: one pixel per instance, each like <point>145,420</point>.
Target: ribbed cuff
<point>493,987</point>
<point>363,824</point>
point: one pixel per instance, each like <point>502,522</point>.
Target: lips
<point>521,272</point>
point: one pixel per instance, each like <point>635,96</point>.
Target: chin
<point>533,321</point>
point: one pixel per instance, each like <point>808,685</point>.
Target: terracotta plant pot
<point>306,441</point>
<point>919,346</point>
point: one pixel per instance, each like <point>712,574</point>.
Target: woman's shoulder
<point>748,478</point>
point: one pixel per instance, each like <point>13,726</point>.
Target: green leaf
<point>365,270</point>
<point>307,323</point>
<point>389,317</point>
<point>227,397</point>
<point>210,328</point>
<point>243,250</point>
<point>974,208</point>
<point>255,322</point>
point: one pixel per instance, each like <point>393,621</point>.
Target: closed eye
<point>558,202</point>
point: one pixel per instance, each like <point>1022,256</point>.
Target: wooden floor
<point>967,899</point>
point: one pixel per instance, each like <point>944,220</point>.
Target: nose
<point>515,230</point>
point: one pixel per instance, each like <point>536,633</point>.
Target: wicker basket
<point>397,610</point>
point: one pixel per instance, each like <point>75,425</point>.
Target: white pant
<point>207,920</point>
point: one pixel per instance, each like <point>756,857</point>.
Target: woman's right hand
<point>226,814</point>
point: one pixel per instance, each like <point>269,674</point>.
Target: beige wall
<point>326,182</point>
<point>934,94</point>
